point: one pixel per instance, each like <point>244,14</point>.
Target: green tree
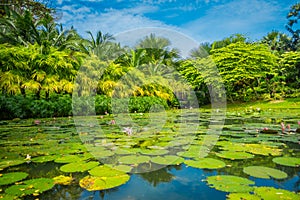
<point>277,41</point>
<point>244,67</point>
<point>293,17</point>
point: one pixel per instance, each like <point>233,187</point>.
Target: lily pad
<point>134,159</point>
<point>287,161</point>
<point>234,155</point>
<point>31,187</point>
<point>228,183</point>
<point>105,171</point>
<point>205,163</point>
<point>63,180</point>
<point>42,159</point>
<point>93,183</point>
<point>9,163</point>
<point>12,177</point>
<point>240,196</point>
<point>103,177</point>
<point>78,166</point>
<point>68,159</point>
<point>270,193</point>
<point>123,168</point>
<point>265,172</point>
<point>167,160</point>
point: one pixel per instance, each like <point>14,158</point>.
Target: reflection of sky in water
<point>187,183</point>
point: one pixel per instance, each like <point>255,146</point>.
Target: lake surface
<point>162,157</point>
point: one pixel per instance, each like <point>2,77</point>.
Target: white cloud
<point>244,16</point>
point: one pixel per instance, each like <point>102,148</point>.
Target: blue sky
<point>202,20</point>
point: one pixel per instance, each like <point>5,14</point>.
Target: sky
<point>199,20</point>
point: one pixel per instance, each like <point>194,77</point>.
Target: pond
<point>164,155</point>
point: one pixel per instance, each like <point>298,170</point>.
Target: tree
<point>293,17</point>
<point>277,41</point>
<point>229,40</point>
<point>244,68</point>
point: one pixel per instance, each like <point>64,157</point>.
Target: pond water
<point>162,158</point>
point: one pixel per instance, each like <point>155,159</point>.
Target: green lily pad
<point>63,180</point>
<point>93,183</point>
<point>167,160</point>
<point>265,172</point>
<point>103,177</point>
<point>228,183</point>
<point>78,166</point>
<point>240,196</point>
<point>9,163</point>
<point>12,177</point>
<point>270,193</point>
<point>287,161</point>
<point>123,168</point>
<point>134,159</point>
<point>154,152</point>
<point>105,171</point>
<point>42,159</point>
<point>234,155</point>
<point>205,163</point>
<point>31,187</point>
<point>69,159</point>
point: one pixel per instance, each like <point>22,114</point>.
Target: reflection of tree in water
<point>161,175</point>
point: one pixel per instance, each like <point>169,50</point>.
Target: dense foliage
<point>40,61</point>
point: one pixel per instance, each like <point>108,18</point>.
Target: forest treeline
<point>40,61</point>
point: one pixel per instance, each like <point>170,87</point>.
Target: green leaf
<point>134,159</point>
<point>167,160</point>
<point>264,172</point>
<point>78,166</point>
<point>12,177</point>
<point>270,193</point>
<point>234,155</point>
<point>34,186</point>
<point>93,183</point>
<point>287,161</point>
<point>227,183</point>
<point>241,196</point>
<point>205,163</point>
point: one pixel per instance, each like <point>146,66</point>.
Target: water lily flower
<point>128,130</point>
<point>112,122</point>
<point>299,123</point>
<point>37,122</point>
<point>28,157</point>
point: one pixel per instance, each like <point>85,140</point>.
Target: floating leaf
<point>69,159</point>
<point>287,161</point>
<point>270,193</point>
<point>205,163</point>
<point>78,166</point>
<point>33,186</point>
<point>167,160</point>
<point>234,155</point>
<point>134,159</point>
<point>42,159</point>
<point>227,183</point>
<point>154,152</point>
<point>12,177</point>
<point>123,168</point>
<point>103,177</point>
<point>242,196</point>
<point>63,180</point>
<point>9,163</point>
<point>92,183</point>
<point>265,172</point>
<point>105,171</point>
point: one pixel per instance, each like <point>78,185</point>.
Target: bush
<point>61,106</point>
